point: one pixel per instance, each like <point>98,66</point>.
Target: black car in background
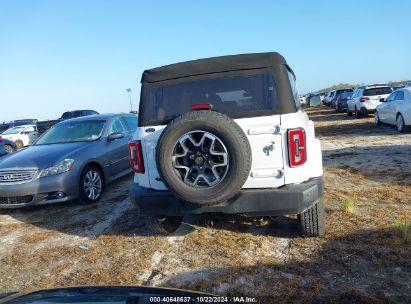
<point>341,101</point>
<point>336,94</point>
<point>43,126</point>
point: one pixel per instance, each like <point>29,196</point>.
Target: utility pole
<point>128,90</point>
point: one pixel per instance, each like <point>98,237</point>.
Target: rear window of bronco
<point>240,96</point>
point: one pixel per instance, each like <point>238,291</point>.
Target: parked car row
<point>389,105</point>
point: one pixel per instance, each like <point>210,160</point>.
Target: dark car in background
<point>341,101</point>
<point>336,94</point>
<point>43,126</point>
<point>75,159</point>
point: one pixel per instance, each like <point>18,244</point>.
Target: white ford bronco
<point>225,135</point>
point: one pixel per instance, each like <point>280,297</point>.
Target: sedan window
<point>14,130</point>
<point>399,96</point>
<point>391,97</point>
<point>116,126</point>
<point>131,122</point>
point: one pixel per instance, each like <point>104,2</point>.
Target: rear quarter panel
<point>405,110</point>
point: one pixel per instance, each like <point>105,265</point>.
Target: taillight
<point>201,106</point>
<point>136,156</point>
<point>362,99</point>
<point>297,147</point>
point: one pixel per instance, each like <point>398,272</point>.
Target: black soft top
<point>213,65</point>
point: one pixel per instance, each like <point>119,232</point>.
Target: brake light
<point>136,156</point>
<point>297,147</point>
<point>201,106</point>
<point>362,99</point>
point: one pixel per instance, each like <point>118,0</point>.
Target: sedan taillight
<point>297,151</point>
<point>136,156</point>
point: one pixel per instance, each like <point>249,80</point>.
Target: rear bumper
<point>367,110</point>
<point>289,199</point>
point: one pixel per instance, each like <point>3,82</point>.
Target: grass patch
<point>347,204</point>
<point>403,228</point>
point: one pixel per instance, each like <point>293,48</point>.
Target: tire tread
<point>312,221</point>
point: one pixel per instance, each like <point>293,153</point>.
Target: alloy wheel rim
<point>200,159</point>
<point>8,149</point>
<point>92,184</point>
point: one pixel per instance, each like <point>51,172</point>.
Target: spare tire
<point>203,157</point>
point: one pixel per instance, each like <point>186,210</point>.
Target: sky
<point>64,55</point>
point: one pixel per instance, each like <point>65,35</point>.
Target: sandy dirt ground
<point>366,255</point>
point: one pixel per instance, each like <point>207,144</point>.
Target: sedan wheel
<point>91,184</point>
<point>19,144</point>
<point>357,113</point>
<point>9,149</point>
<point>377,121</point>
<point>400,123</point>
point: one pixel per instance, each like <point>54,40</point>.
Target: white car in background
<point>365,99</point>
<point>21,135</point>
<point>395,110</point>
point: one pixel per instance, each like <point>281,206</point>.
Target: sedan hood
<point>41,156</point>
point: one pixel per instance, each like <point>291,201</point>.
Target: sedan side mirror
<point>114,136</point>
<point>383,100</point>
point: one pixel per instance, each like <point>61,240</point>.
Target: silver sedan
<point>75,159</point>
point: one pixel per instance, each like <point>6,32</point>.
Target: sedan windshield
<point>13,130</point>
<point>72,132</point>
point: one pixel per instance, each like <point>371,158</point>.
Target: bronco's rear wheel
<point>163,225</point>
<point>312,221</point>
<point>203,157</point>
